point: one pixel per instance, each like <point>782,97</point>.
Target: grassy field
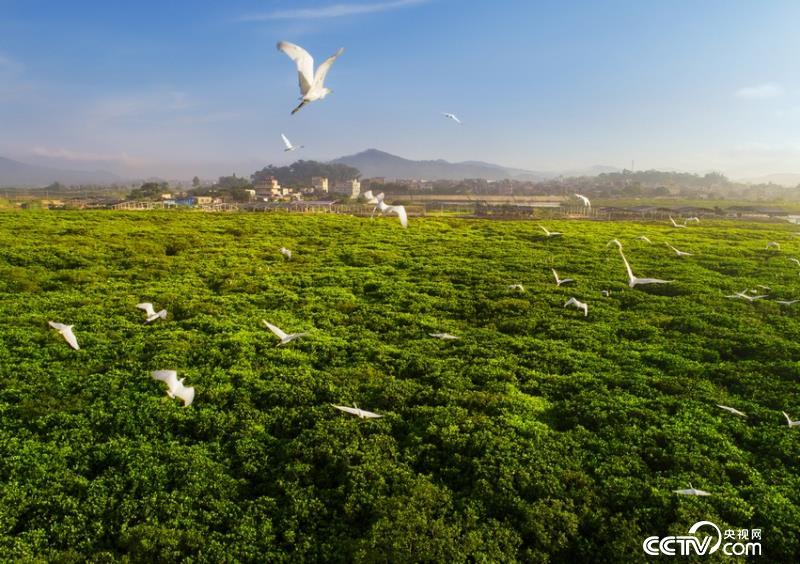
<point>540,435</point>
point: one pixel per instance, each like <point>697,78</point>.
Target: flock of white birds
<point>312,88</point>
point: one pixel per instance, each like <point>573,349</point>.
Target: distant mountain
<point>17,174</point>
<point>784,179</point>
<point>373,162</point>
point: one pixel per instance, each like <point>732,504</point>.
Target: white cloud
<point>331,11</point>
<point>761,91</point>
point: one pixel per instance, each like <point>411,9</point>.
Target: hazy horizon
<point>198,88</point>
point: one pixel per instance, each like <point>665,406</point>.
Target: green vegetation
<point>539,436</point>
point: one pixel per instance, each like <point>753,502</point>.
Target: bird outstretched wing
<point>322,70</point>
<point>304,62</point>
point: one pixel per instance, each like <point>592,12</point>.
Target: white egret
<point>732,410</point>
<point>742,295</point>
<point>385,208</point>
<point>66,332</point>
<point>676,224</point>
<point>358,412</point>
<point>175,387</point>
<point>284,337</point>
<point>585,200</point>
<point>634,281</point>
<point>789,420</point>
<point>286,252</point>
<point>289,146</point>
<point>550,233</point>
<point>560,281</point>
<point>451,116</point>
<point>444,336</point>
<point>312,85</point>
<point>677,252</point>
<point>691,491</point>
<point>578,305</point>
<point>151,313</point>
<point>787,302</point>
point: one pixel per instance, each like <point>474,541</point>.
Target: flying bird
<point>550,233</point>
<point>773,244</point>
<point>444,336</point>
<point>679,253</point>
<point>691,491</point>
<point>312,85</point>
<point>585,200</point>
<point>789,420</point>
<point>578,305</point>
<point>787,302</point>
<point>732,410</point>
<point>358,412</point>
<point>452,116</point>
<point>284,337</point>
<point>742,295</point>
<point>560,281</point>
<point>151,313</point>
<point>66,332</point>
<point>516,287</point>
<point>676,224</point>
<point>286,252</point>
<point>289,146</point>
<point>643,238</point>
<point>634,281</point>
<point>175,387</point>
<point>383,207</point>
<point>694,219</point>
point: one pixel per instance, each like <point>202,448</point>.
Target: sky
<point>177,88</point>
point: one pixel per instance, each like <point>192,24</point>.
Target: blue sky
<point>177,88</point>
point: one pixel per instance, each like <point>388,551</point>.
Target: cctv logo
<point>687,545</point>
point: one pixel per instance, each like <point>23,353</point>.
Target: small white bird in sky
<point>151,313</point>
<point>286,252</point>
<point>560,281</point>
<point>643,238</point>
<point>550,233</point>
<point>744,296</point>
<point>289,146</point>
<point>66,332</point>
<point>634,281</point>
<point>676,224</point>
<point>773,245</point>
<point>691,491</point>
<point>578,305</point>
<point>284,337</point>
<point>451,116</point>
<point>175,387</point>
<point>585,200</point>
<point>312,86</point>
<point>732,410</point>
<point>400,211</point>
<point>518,287</point>
<point>358,412</point>
<point>679,253</point>
<point>444,336</point>
<point>789,420</point>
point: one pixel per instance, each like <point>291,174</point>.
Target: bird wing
<point>57,326</point>
<point>786,415</point>
<point>543,228</point>
<point>346,409</point>
<point>277,330</point>
<point>401,213</point>
<point>631,277</point>
<point>185,393</point>
<point>322,70</point>
<point>304,62</point>
<point>286,141</point>
<point>147,307</point>
<point>70,337</point>
<point>169,377</point>
<point>556,275</point>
